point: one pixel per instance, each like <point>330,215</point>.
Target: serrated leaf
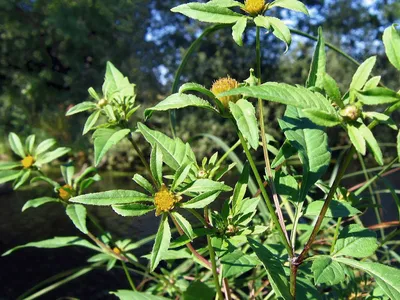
<point>77,214</point>
<point>9,175</point>
<point>111,198</point>
<point>161,243</point>
<point>175,152</point>
<point>206,185</point>
<point>356,138</point>
<point>317,70</point>
<point>381,118</point>
<point>279,29</point>
<point>201,200</point>
<point>44,146</point>
<point>237,263</point>
<point>47,157</point>
<point>180,175</point>
<point>286,186</point>
<point>336,209</point>
<point>238,30</point>
<point>144,183</point>
<point>290,4</point>
<point>332,90</point>
<point>377,96</point>
<point>16,145</point>
<point>56,242</point>
<point>198,290</point>
<point>83,106</point>
<point>322,118</point>
<point>297,96</point>
<point>285,152</point>
<point>208,13</point>
<point>274,268</point>
<point>116,83</point>
<point>184,224</point>
<point>38,202</point>
<point>372,83</point>
<point>133,209</point>
<point>130,295</point>
<point>361,76</point>
<point>327,271</point>
<point>156,164</point>
<point>372,143</point>
<point>245,116</point>
<point>355,241</point>
<point>386,277</point>
<point>47,180</point>
<point>225,3</point>
<point>240,188</point>
<point>104,139</point>
<point>391,40</point>
<point>311,142</point>
<point>178,101</point>
<point>91,121</point>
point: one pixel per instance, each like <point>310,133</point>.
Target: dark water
<point>27,267</point>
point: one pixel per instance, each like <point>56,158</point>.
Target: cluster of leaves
<point>242,245</point>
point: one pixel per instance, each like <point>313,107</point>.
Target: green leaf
<point>133,209</point>
<point>398,145</point>
<point>336,209</point>
<point>377,96</point>
<point>30,143</point>
<point>175,152</point>
<point>156,164</point>
<point>144,183</point>
<point>201,200</point>
<point>274,268</point>
<point>180,175</point>
<point>297,96</point>
<point>177,101</point>
<point>311,142</point>
<point>356,138</point>
<point>317,71</point>
<point>111,198</point>
<point>286,186</point>
<point>372,143</point>
<point>327,271</point>
<point>9,175</point>
<point>386,277</point>
<point>91,121</point>
<point>322,118</point>
<point>130,295</point>
<point>285,152</point>
<point>225,3</point>
<point>67,172</point>
<point>184,224</point>
<point>240,188</point>
<point>361,76</point>
<point>237,263</point>
<point>38,202</point>
<point>8,165</point>
<point>280,30</point>
<point>77,214</point>
<point>44,146</point>
<point>391,40</point>
<point>245,115</point>
<point>208,13</point>
<point>332,90</point>
<point>355,241</point>
<point>198,290</point>
<point>56,242</point>
<point>372,83</point>
<point>22,179</point>
<point>206,185</point>
<point>47,157</point>
<point>93,94</point>
<point>81,107</point>
<point>47,180</point>
<point>290,4</point>
<point>116,83</point>
<point>381,118</point>
<point>192,86</point>
<point>238,30</point>
<point>104,139</point>
<point>161,243</point>
<point>16,145</point>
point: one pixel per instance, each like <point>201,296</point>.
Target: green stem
<point>297,216</point>
<point>293,277</point>
<point>214,269</point>
<point>265,195</point>
<point>128,276</point>
<point>226,154</point>
<point>335,236</point>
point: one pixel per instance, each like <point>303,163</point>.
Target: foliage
<point>241,247</point>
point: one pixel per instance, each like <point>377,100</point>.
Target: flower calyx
<point>350,112</point>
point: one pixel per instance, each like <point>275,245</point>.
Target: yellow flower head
<point>254,7</point>
<point>116,250</point>
<point>223,85</point>
<point>65,192</point>
<point>27,162</point>
<point>165,200</point>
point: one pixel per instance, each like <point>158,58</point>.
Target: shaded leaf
<point>327,271</point>
<point>77,214</point>
<point>238,29</point>
<point>317,70</point>
<point>336,209</point>
<point>104,139</point>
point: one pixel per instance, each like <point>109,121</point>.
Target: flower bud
<point>102,102</point>
<point>351,112</point>
<point>28,161</point>
<point>223,85</point>
<point>65,192</point>
<point>254,7</point>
